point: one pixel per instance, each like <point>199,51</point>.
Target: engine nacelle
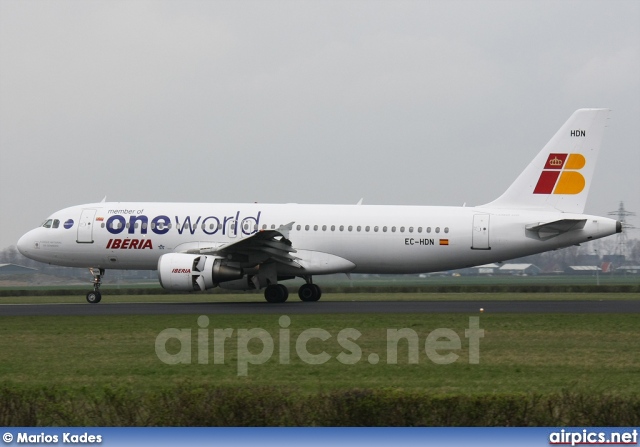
<point>186,272</point>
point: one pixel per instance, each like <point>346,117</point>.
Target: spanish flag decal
<point>444,241</point>
<point>99,219</point>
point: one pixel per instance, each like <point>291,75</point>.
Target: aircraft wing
<point>548,230</point>
<point>260,247</point>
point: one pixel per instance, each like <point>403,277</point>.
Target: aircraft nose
<point>25,244</point>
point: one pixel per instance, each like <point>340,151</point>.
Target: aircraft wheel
<point>276,293</point>
<point>94,297</point>
<point>285,292</point>
<point>318,290</point>
<point>309,292</point>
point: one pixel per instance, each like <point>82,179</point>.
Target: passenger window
<point>437,229</point>
<point>384,229</point>
<point>393,229</point>
<point>366,228</point>
<point>299,227</point>
<point>306,227</point>
<point>446,229</point>
<point>375,229</point>
<point>350,228</point>
<point>358,228</point>
<point>341,227</point>
<point>324,228</point>
<point>410,229</point>
<point>419,229</point>
<point>315,228</point>
<point>428,229</point>
<point>401,229</point>
<point>333,228</point>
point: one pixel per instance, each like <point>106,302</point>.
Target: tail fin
<point>559,177</point>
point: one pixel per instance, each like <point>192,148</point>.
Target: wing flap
<point>261,246</point>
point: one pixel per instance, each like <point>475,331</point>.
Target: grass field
<point>533,369</point>
<point>374,280</point>
<point>518,353</point>
<point>258,297</point>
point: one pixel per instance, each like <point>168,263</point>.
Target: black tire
<point>94,297</point>
<point>276,293</point>
<point>285,292</point>
<point>319,290</point>
<point>309,292</point>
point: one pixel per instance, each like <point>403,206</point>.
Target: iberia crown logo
<point>556,162</point>
<point>560,176</point>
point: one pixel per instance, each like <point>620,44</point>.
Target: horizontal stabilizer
<point>544,231</point>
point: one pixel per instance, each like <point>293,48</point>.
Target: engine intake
<point>185,272</point>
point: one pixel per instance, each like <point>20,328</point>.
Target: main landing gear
<point>95,296</point>
<point>278,293</point>
<point>309,292</point>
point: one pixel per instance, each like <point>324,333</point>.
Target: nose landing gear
<point>95,296</point>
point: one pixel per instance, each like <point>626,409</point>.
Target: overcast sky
<point>399,102</point>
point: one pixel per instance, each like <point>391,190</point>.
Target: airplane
<point>254,246</point>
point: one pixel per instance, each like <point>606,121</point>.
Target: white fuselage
<point>373,239</point>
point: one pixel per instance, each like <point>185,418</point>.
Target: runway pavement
<point>323,307</point>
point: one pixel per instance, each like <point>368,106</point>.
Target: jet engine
<point>186,272</point>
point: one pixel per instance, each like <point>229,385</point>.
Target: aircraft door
<point>85,227</point>
<point>480,232</point>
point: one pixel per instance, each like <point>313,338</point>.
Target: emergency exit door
<point>480,232</point>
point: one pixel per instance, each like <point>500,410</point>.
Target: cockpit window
<point>48,223</point>
<point>56,223</point>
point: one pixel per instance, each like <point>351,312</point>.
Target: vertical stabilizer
<point>559,177</point>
